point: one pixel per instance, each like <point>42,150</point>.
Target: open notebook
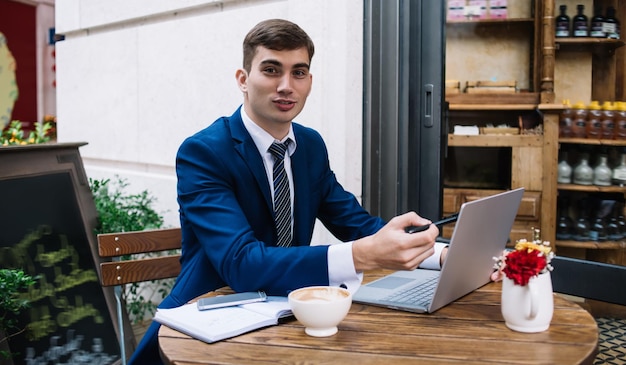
<point>481,232</point>
<point>217,324</point>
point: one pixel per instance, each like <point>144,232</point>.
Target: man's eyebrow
<point>302,65</point>
<point>277,63</point>
<point>271,62</point>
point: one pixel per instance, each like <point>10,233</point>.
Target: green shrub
<point>12,283</point>
<point>120,211</point>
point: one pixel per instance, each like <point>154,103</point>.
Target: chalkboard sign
<point>47,218</point>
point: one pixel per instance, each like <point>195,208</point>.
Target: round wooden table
<point>470,330</point>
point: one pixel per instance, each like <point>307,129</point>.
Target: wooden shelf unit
<point>528,155</point>
<point>537,155</point>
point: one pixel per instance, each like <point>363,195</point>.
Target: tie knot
<point>278,149</point>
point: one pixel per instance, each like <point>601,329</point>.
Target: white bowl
<point>320,308</point>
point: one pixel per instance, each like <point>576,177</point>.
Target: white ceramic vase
<point>528,308</point>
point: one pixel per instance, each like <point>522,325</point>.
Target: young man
<point>232,232</point>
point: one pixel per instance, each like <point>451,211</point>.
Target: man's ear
<point>241,76</point>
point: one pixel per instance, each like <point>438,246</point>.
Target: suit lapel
<point>245,147</point>
<point>301,182</point>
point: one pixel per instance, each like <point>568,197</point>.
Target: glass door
<point>404,133</point>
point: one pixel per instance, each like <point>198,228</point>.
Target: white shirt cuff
<point>434,261</point>
<point>341,271</point>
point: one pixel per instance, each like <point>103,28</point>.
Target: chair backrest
<point>119,271</point>
<point>589,279</point>
<point>116,245</point>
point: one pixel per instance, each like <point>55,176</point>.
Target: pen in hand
<point>445,220</point>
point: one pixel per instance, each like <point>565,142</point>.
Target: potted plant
<point>13,282</point>
<point>15,134</point>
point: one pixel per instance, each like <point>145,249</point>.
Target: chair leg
<point>120,323</point>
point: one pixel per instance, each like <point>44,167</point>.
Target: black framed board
<point>47,217</point>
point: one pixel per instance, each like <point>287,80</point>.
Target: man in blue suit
<point>226,192</point>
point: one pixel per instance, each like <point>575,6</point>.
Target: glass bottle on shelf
<point>564,170</point>
<point>618,176</point>
<point>614,231</point>
<point>597,228</point>
<point>594,120</point>
<point>621,221</point>
<point>597,23</point>
<point>583,173</point>
<point>580,231</point>
<point>564,223</point>
<point>620,120</point>
<point>562,23</point>
<point>602,173</point>
<point>566,119</point>
<point>580,26</point>
<point>607,123</point>
<point>579,127</point>
<point>611,24</point>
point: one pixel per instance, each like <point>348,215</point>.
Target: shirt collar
<point>264,140</point>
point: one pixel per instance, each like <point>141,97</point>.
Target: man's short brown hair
<point>277,35</point>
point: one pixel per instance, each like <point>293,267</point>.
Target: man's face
<point>276,88</point>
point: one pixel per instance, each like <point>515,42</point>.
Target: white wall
<point>134,78</point>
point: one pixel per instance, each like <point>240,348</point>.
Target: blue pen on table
<point>445,220</point>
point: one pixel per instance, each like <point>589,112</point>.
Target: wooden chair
<point>120,271</point>
<point>600,282</point>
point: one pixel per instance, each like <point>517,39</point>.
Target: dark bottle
<point>580,23</point>
<point>611,26</point>
<point>597,23</point>
<point>564,222</point>
<point>613,230</point>
<point>562,23</point>
<point>621,221</point>
<point>597,230</point>
<point>580,230</point>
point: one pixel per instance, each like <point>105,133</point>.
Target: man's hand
<point>393,248</point>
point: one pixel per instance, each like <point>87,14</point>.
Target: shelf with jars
<point>592,135</point>
<point>591,190</point>
<point>590,221</point>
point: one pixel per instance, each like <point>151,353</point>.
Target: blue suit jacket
<point>227,217</point>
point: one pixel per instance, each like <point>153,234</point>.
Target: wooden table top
<point>470,330</point>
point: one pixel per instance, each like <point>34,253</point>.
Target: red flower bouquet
<point>527,260</point>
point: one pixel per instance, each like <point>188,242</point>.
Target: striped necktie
<point>282,197</point>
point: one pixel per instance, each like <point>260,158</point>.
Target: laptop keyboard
<point>420,294</point>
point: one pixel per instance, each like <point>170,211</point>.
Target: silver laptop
<point>481,232</point>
